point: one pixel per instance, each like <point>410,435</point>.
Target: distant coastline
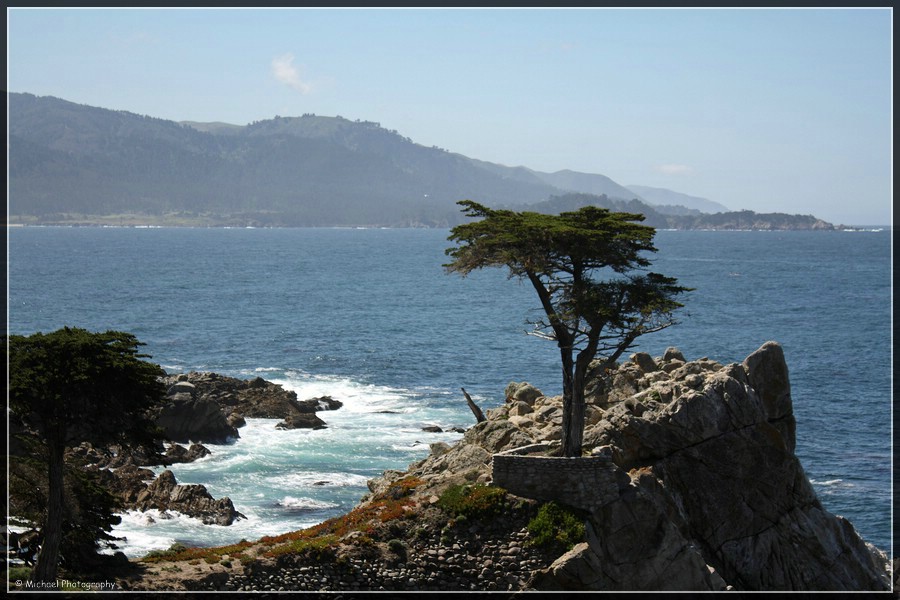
<point>749,222</point>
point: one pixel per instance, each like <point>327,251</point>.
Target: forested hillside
<point>77,164</point>
<point>309,170</point>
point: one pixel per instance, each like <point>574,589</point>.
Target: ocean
<point>369,317</point>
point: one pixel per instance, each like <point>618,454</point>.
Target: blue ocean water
<point>369,317</point>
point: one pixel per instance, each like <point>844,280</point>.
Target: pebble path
<point>465,565</point>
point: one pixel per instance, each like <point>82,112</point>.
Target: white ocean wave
<point>831,483</point>
<point>303,503</point>
<point>318,479</point>
<point>357,397</point>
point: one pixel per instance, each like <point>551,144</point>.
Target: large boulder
<point>497,436</point>
<point>240,399</point>
<point>716,487</point>
<point>138,489</point>
<point>185,418</point>
<point>250,398</point>
<point>301,421</point>
<point>177,453</point>
<point>522,392</point>
<point>193,500</point>
<point>316,404</point>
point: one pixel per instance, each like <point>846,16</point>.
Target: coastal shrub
<point>180,552</point>
<point>472,500</point>
<point>397,547</point>
<point>321,549</point>
<point>173,551</point>
<point>555,524</point>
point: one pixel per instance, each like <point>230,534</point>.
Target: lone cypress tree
<point>589,272</point>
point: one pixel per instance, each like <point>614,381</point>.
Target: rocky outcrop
<point>240,399</point>
<point>116,456</point>
<point>177,453</point>
<point>187,418</point>
<point>709,494</point>
<point>301,421</point>
<point>138,489</point>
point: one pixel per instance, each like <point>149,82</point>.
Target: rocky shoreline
<point>200,408</point>
<point>706,494</point>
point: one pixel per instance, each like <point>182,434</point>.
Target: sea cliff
<point>689,482</point>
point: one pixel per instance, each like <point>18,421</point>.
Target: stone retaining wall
<point>586,482</point>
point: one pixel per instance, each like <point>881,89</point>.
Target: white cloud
<point>284,71</point>
<point>675,169</point>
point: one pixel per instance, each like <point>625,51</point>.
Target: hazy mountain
<point>663,197</point>
<point>309,170</point>
<point>564,181</point>
<point>75,163</point>
<point>662,200</point>
<point>588,183</point>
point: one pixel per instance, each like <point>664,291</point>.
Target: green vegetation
<point>588,269</point>
<point>556,525</point>
<point>321,548</point>
<point>72,386</point>
<point>398,548</point>
<point>472,501</point>
<point>180,552</point>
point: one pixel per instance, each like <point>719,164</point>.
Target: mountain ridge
<point>77,164</point>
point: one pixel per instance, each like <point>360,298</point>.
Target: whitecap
<point>304,504</point>
<point>318,479</point>
<point>356,396</point>
<point>828,482</point>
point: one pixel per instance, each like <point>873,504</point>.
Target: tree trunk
<point>571,439</point>
<point>574,377</point>
<point>48,559</point>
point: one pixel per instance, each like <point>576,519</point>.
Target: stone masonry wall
<point>586,482</point>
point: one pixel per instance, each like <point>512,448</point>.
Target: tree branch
<point>479,416</point>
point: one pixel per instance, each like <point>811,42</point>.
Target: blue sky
<point>786,110</point>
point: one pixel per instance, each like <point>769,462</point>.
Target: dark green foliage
<point>556,525</point>
<point>72,386</point>
<point>472,501</point>
<point>398,548</point>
